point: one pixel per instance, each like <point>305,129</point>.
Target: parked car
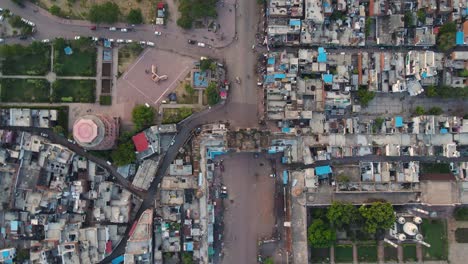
<point>1,40</point>
<point>93,27</point>
<point>157,33</point>
<point>120,41</point>
<point>44,135</point>
<point>142,42</point>
<point>192,42</point>
<point>128,41</point>
<point>123,30</point>
<point>149,43</point>
<point>95,38</point>
<point>201,44</point>
<point>112,28</point>
<point>45,41</point>
<point>77,37</point>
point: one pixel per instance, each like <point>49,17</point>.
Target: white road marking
<point>139,59</point>
<point>169,87</point>
<point>138,90</point>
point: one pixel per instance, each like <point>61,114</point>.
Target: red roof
<point>435,30</point>
<point>109,246</point>
<point>140,141</point>
<point>160,5</point>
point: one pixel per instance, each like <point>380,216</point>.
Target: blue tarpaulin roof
<point>271,60</point>
<point>5,254</point>
<point>269,78</point>
<point>443,131</point>
<point>14,225</point>
<point>322,55</point>
<point>285,177</point>
<point>294,22</point>
<point>398,121</point>
<point>286,130</point>
<point>327,78</point>
<point>118,260</point>
<point>460,38</point>
<point>424,75</point>
<point>284,160</point>
<point>280,75</point>
<point>107,43</point>
<point>188,246</point>
<point>68,50</point>
<point>323,170</point>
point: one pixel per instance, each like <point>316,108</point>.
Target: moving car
<point>157,33</point>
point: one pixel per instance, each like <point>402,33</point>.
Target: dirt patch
<point>183,97</point>
<point>127,55</point>
<point>80,9</point>
<point>106,69</point>
<point>105,86</point>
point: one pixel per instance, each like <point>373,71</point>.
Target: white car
<point>120,41</point>
<point>201,44</point>
<point>128,41</point>
<point>45,41</point>
<point>142,42</point>
<point>157,33</point>
<point>149,43</point>
<point>123,30</point>
<point>111,40</point>
<point>1,40</point>
<point>77,37</point>
<point>94,38</point>
<point>112,28</point>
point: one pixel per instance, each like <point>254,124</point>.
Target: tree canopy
<point>212,93</point>
<point>142,116</point>
<point>107,12</point>
<point>320,235</point>
<point>419,110</point>
<point>135,16</point>
<point>191,10</point>
<point>124,154</point>
<point>341,214</point>
<point>378,215</point>
<point>446,36</point>
<point>365,96</point>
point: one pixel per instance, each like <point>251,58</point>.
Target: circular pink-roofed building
<point>96,132</point>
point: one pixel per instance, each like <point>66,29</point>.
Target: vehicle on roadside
<point>1,40</point>
<point>112,28</point>
<point>120,41</point>
<point>109,163</point>
<point>45,41</point>
<point>93,27</point>
<point>273,175</point>
<point>142,42</point>
<point>149,43</point>
<point>123,30</point>
<point>192,42</point>
<point>172,142</point>
<point>238,80</point>
<point>201,44</point>
<point>111,40</point>
<point>128,41</point>
<point>77,37</point>
<point>95,38</point>
<point>157,33</point>
<point>44,135</point>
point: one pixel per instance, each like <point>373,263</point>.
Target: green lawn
<point>435,233</point>
<point>320,255</point>
<point>25,60</point>
<point>435,168</point>
<point>409,252</point>
<point>390,254</point>
<point>367,253</point>
<point>24,90</point>
<point>175,115</point>
<point>344,253</point>
<point>83,91</point>
<point>82,62</point>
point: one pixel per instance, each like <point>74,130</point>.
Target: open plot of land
<point>250,209</point>
<point>26,60</point>
<point>83,91</point>
<point>435,233</point>
<point>127,55</point>
<point>136,84</point>
<point>343,253</point>
<point>175,115</point>
<point>409,252</point>
<point>367,253</point>
<point>80,9</point>
<point>24,90</point>
<point>390,254</point>
<point>82,61</point>
<point>183,96</point>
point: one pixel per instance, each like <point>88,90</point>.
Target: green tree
<point>187,258</point>
<point>124,154</point>
<point>365,96</point>
<point>269,261</point>
<point>212,94</point>
<point>341,214</point>
<point>409,21</point>
<point>446,36</point>
<point>185,22</point>
<point>378,215</point>
<point>58,130</point>
<point>320,235</point>
<point>205,64</point>
<point>104,13</point>
<point>419,110</point>
<point>189,89</point>
<point>435,111</point>
<point>135,16</point>
<point>55,10</point>
<point>431,91</point>
<point>421,14</point>
<point>142,116</point>
<point>463,73</point>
